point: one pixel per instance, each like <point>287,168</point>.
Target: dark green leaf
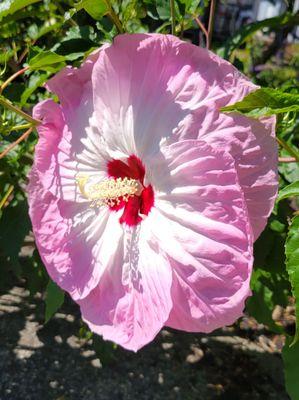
<point>45,29</point>
<point>54,299</point>
<point>290,171</point>
<point>14,226</point>
<point>163,9</point>
<point>265,102</point>
<point>6,56</point>
<point>260,305</point>
<point>44,60</point>
<point>95,8</point>
<point>292,264</point>
<point>35,82</point>
<point>289,191</point>
<point>74,46</point>
<point>104,350</point>
<point>290,357</point>
<point>270,278</point>
<point>11,6</point>
<point>190,5</point>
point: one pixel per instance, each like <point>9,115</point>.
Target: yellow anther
<point>109,191</point>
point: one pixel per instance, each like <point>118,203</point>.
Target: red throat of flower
<point>136,206</point>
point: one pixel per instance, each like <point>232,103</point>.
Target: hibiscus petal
<point>63,151</point>
<point>171,89</point>
<point>201,224</point>
<point>253,146</point>
<point>67,146</point>
<point>73,240</point>
<point>68,84</point>
<point>132,300</point>
<point>131,93</point>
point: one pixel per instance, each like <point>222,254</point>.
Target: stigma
<point>110,192</point>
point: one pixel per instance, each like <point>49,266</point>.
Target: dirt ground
<point>50,362</point>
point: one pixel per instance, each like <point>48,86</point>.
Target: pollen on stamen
<point>109,191</point>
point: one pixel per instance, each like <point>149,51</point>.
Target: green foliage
<point>163,9</point>
<point>12,232</point>
<point>269,281</point>
<point>290,171</point>
<point>11,6</point>
<point>290,355</point>
<point>248,30</point>
<point>104,350</point>
<point>289,191</point>
<point>95,8</point>
<point>46,60</point>
<point>265,102</point>
<point>292,264</point>
<point>262,303</point>
<point>54,299</point>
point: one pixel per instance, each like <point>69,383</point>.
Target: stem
<point>288,148</point>
<point>20,127</point>
<point>202,27</point>
<point>6,196</point>
<point>114,17</point>
<point>14,48</point>
<point>70,20</point>
<point>20,139</point>
<point>287,159</point>
<point>24,53</point>
<point>211,23</point>
<point>12,77</point>
<point>7,104</point>
<point>172,13</point>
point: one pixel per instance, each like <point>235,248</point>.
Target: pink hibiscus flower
<point>144,198</point>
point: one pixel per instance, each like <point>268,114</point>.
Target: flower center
<point>108,191</point>
<point>124,189</point>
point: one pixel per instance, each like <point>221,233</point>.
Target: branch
<point>7,104</point>
<point>6,196</point>
<point>172,13</point>
<point>12,77</point>
<point>288,148</point>
<point>202,27</point>
<point>114,17</point>
<point>14,144</point>
<point>287,159</point>
<point>211,23</point>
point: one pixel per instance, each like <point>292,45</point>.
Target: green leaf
<point>260,305</point>
<point>14,226</point>
<point>292,264</point>
<point>163,9</point>
<point>95,8</point>
<point>35,82</point>
<point>269,281</point>
<point>54,299</point>
<point>6,55</point>
<point>289,191</point>
<point>45,29</point>
<point>104,349</point>
<point>290,171</point>
<point>44,60</point>
<point>248,30</point>
<point>11,6</point>
<point>191,6</point>
<point>265,102</point>
<point>290,357</point>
